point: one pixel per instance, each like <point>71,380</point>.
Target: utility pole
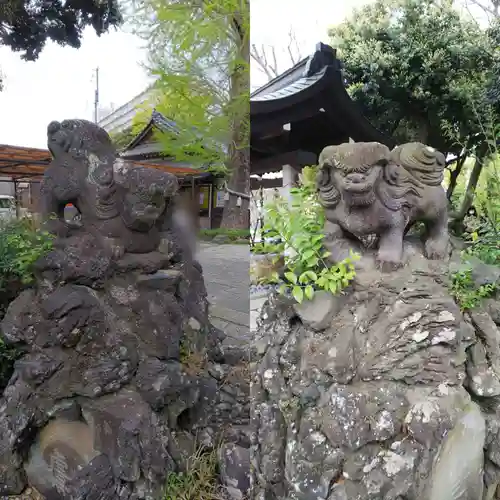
<point>96,101</point>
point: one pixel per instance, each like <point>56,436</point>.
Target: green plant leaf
<point>309,292</point>
<point>312,275</point>
<point>298,294</point>
<point>308,254</point>
<point>291,277</point>
<point>312,262</point>
<point>322,281</point>
<point>333,286</point>
<point>304,278</point>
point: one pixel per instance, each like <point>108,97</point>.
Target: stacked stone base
<point>121,377</point>
<point>385,392</point>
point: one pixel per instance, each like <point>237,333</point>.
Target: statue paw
<point>388,262</point>
<point>436,249</point>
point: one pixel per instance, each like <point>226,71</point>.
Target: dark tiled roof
<point>291,88</point>
<point>163,123</point>
<point>305,73</point>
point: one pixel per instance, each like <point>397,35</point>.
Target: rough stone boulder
<point>122,373</point>
<point>397,397</point>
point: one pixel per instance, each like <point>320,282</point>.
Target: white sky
<point>61,84</point>
<point>271,21</point>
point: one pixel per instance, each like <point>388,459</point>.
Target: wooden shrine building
<point>298,113</point>
<point>201,190</point>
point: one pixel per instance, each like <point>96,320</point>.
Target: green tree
<point>26,25</point>
<point>419,71</point>
<point>199,54</point>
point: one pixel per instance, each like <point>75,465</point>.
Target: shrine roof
<point>314,86</point>
<point>158,121</point>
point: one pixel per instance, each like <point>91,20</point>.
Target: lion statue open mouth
<point>367,189</point>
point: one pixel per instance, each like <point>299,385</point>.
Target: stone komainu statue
<point>122,203</point>
<point>368,190</point>
<point>102,385</point>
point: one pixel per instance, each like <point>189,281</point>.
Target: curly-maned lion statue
<point>368,190</point>
<point>116,200</point>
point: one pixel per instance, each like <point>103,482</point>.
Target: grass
<point>198,482</point>
<point>192,356</point>
<point>232,234</point>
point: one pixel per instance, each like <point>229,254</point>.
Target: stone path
<point>225,269</point>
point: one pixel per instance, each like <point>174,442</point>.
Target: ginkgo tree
<point>199,54</point>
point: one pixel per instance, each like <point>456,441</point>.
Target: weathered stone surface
<point>376,405</point>
<point>118,350</point>
<point>94,482</point>
<point>318,313</point>
<point>235,467</point>
<point>484,274</point>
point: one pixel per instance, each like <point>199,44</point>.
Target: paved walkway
<point>226,273</point>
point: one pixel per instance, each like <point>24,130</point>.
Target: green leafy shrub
<point>21,245</point>
<point>467,294</point>
<point>485,244</point>
<point>484,236</point>
<point>264,247</point>
<point>297,227</point>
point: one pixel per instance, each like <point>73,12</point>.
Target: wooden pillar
<point>289,178</point>
<point>210,204</point>
<point>16,201</point>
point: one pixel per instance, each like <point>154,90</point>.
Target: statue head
<point>351,172</point>
<point>75,136</point>
<point>82,140</point>
<point>361,173</point>
<point>145,194</point>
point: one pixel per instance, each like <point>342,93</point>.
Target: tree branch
<point>267,60</point>
<point>260,58</point>
<point>492,11</point>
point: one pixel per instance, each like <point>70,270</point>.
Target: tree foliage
<point>123,138</point>
<point>26,25</point>
<point>199,54</point>
<point>418,69</point>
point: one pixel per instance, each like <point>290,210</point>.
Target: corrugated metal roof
<point>19,162</point>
